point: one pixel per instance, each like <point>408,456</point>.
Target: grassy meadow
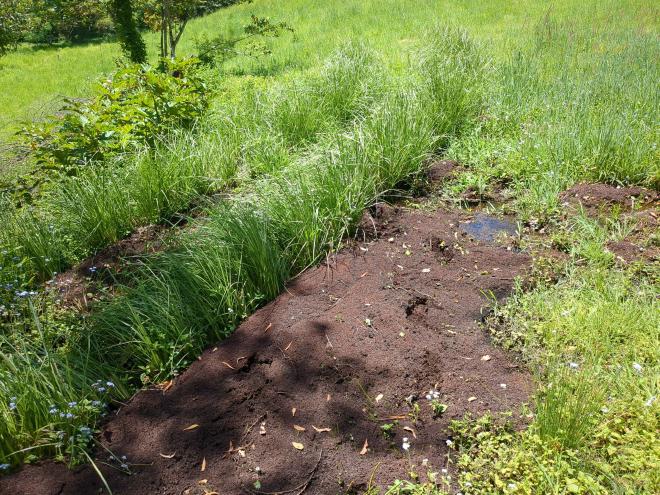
<point>530,97</point>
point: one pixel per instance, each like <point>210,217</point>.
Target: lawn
<point>33,80</point>
<point>529,99</point>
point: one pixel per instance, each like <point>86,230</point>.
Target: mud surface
<point>350,346</point>
<point>441,171</point>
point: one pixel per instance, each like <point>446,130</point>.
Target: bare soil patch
<point>595,198</point>
<point>638,204</point>
<point>350,346</point>
<point>441,171</point>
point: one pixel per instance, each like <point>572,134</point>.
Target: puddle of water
<point>487,228</point>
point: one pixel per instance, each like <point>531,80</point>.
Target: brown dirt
<point>93,277</point>
<point>637,204</point>
<point>396,315</point>
<point>629,252</point>
<point>596,197</point>
<point>441,171</point>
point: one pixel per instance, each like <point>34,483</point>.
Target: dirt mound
<point>594,197</point>
<point>296,399</point>
<point>442,170</point>
<point>627,251</point>
<point>81,284</point>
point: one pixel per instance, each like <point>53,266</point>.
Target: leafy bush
<point>219,49</point>
<point>13,22</point>
<point>55,20</point>
<point>134,107</point>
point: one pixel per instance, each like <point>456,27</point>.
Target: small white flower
<point>449,443</point>
<point>433,395</point>
<point>573,365</point>
<point>406,444</point>
<point>503,386</point>
<point>637,367</point>
<point>650,402</point>
<point>444,471</point>
<point>604,410</point>
<point>512,486</point>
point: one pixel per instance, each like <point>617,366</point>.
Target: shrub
<point>133,108</point>
<point>13,22</point>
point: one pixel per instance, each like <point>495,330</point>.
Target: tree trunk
<point>164,24</point>
<point>129,36</point>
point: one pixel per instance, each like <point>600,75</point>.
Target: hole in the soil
<point>486,228</point>
<point>443,249</point>
<point>107,434</point>
<point>247,366</point>
<point>414,302</point>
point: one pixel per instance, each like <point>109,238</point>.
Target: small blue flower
<point>69,416</point>
<point>101,389</point>
<point>4,467</point>
<point>73,404</point>
<point>96,403</point>
<point>110,384</point>
<point>85,431</point>
<point>53,409</point>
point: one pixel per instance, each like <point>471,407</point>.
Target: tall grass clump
<point>194,295</point>
<point>319,201</point>
<point>106,203</point>
<point>49,400</point>
<point>326,99</point>
<point>455,71</point>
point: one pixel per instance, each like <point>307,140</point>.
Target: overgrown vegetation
<point>242,253</point>
<point>305,147</point>
<point>544,131</point>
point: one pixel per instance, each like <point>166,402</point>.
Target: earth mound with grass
<point>350,377</point>
<point>595,197</point>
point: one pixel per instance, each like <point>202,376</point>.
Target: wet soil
<point>351,345</point>
<point>441,171</point>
